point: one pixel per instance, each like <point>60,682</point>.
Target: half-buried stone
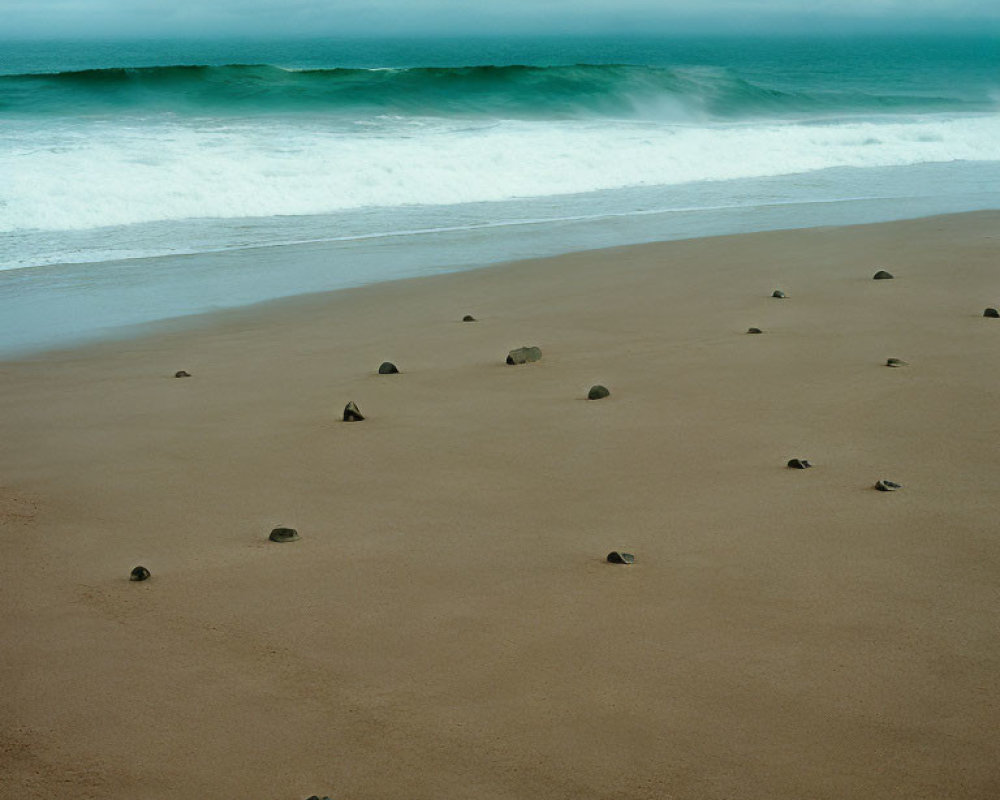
<point>139,574</point>
<point>284,535</point>
<point>598,392</point>
<point>897,362</point>
<point>351,413</point>
<point>779,294</point>
<point>754,330</point>
<point>991,312</point>
<point>387,368</point>
<point>468,318</point>
<point>182,374</point>
<point>524,355</point>
<point>799,463</point>
<point>618,557</point>
<point>887,486</point>
<point>882,275</point>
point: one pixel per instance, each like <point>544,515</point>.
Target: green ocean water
<point>403,157</point>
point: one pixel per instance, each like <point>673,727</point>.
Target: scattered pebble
<point>799,463</point>
<point>182,374</point>
<point>897,362</point>
<point>754,330</point>
<point>887,486</point>
<point>468,318</point>
<point>597,392</point>
<point>617,557</point>
<point>387,368</point>
<point>778,293</point>
<point>882,275</point>
<point>524,355</point>
<point>991,312</point>
<point>139,574</point>
<point>351,413</point>
<point>284,535</point>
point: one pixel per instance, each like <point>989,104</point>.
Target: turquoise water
<point>344,162</point>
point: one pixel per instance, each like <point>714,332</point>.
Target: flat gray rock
<point>351,413</point>
<point>284,535</point>
<point>882,275</point>
<point>524,355</point>
<point>618,557</point>
<point>387,368</point>
<point>139,574</point>
<point>597,392</point>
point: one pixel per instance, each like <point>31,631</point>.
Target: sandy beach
<point>447,626</point>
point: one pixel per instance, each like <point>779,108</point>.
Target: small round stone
<point>778,293</point>
<point>387,368</point>
<point>468,318</point>
<point>524,355</point>
<point>991,312</point>
<point>754,330</point>
<point>598,392</point>
<point>139,574</point>
<point>618,557</point>
<point>882,275</point>
<point>887,486</point>
<point>284,535</point>
<point>799,463</point>
<point>182,374</point>
<point>897,362</point>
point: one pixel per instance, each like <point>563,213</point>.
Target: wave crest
<point>506,92</point>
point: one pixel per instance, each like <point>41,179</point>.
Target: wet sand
<point>447,625</point>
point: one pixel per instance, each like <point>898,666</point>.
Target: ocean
<point>147,180</point>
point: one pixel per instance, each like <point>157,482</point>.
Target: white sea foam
<point>89,174</point>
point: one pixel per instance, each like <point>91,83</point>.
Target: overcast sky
<point>463,17</point>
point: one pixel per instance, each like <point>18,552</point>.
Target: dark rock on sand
<point>139,574</point>
<point>754,330</point>
<point>617,557</point>
<point>351,413</point>
<point>882,275</point>
<point>991,312</point>
<point>387,368</point>
<point>468,318</point>
<point>284,535</point>
<point>182,374</point>
<point>887,486</point>
<point>799,463</point>
<point>524,355</point>
<point>897,362</point>
<point>778,293</point>
<point>597,392</point>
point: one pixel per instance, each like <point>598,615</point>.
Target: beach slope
<point>447,626</point>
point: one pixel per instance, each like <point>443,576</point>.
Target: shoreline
<point>447,625</point>
<point>50,307</point>
<point>124,332</point>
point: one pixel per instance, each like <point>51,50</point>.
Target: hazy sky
<point>402,17</point>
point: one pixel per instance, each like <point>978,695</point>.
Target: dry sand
<point>447,626</point>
